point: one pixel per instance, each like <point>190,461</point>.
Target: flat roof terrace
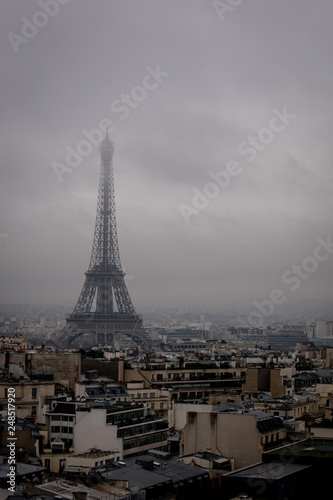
<point>322,448</point>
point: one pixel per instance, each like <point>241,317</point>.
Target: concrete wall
<point>322,432</point>
<point>234,436</point>
<point>65,367</point>
<point>276,383</point>
<point>91,459</point>
<point>252,380</point>
<point>91,431</point>
<point>325,391</point>
<point>329,357</point>
<point>266,380</point>
<point>105,368</point>
<point>233,399</point>
<point>177,415</point>
<point>135,374</point>
<point>55,460</point>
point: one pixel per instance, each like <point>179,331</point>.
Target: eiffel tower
<point>104,309</point>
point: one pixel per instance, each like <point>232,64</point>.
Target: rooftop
<point>22,470</point>
<point>147,471</point>
<point>268,471</point>
<point>308,448</point>
<point>93,453</point>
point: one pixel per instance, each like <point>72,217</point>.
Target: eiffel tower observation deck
<point>104,309</point>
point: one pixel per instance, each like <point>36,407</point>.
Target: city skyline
<point>220,121</point>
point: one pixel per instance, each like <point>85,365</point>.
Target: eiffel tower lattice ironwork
<point>104,308</point>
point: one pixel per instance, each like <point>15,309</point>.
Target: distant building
<point>320,329</point>
<point>277,381</point>
<point>329,329</point>
<point>285,339</point>
<point>290,408</point>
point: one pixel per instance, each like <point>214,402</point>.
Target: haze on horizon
<point>191,92</point>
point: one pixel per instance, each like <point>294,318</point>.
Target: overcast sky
<point>193,89</point>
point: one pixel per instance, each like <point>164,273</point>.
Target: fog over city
<point>221,116</point>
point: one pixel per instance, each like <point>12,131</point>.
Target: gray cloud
<point>224,80</point>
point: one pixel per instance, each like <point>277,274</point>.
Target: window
<point>34,393</point>
<point>55,428</point>
<point>34,411</point>
<point>55,417</point>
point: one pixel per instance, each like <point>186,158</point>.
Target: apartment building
<point>127,428</point>
<point>188,380</point>
<point>290,409</point>
<point>156,399</point>
<point>241,435</point>
<point>28,394</point>
<point>276,380</point>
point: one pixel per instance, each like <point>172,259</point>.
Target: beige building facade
<point>232,435</point>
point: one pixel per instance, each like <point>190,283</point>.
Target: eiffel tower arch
<point>104,309</point>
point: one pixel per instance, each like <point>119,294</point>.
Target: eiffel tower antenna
<point>104,309</point>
